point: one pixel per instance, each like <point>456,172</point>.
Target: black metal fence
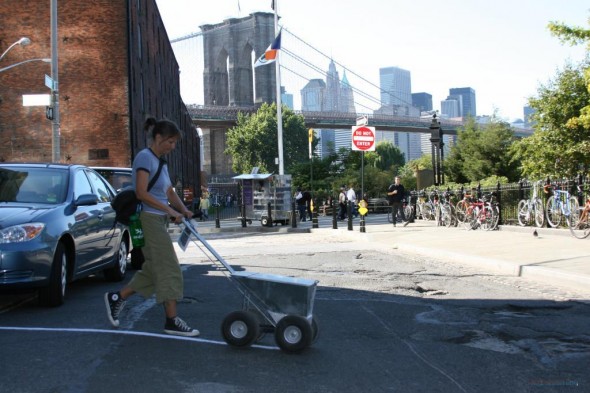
<point>225,197</point>
<point>508,195</point>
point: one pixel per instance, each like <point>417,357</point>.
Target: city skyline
<point>501,50</point>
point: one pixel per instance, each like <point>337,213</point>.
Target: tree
<point>325,171</point>
<point>253,141</point>
<point>482,151</point>
<point>559,146</point>
<point>575,36</point>
<point>389,156</point>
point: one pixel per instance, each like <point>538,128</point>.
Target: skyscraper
<point>451,107</point>
<point>333,95</point>
<point>422,101</point>
<point>346,96</point>
<point>396,86</point>
<point>468,100</point>
<point>312,95</point>
<point>527,112</point>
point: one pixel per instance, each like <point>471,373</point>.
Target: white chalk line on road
<point>123,332</point>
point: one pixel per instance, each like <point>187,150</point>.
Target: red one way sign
<point>363,138</point>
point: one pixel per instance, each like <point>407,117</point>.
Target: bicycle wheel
<point>461,210</point>
<point>408,211</point>
<point>553,211</point>
<point>579,223</point>
<point>453,215</point>
<point>523,213</point>
<point>487,218</point>
<point>445,216</point>
<point>418,211</point>
<point>390,216</point>
<point>470,218</point>
<point>539,212</point>
<point>427,212</point>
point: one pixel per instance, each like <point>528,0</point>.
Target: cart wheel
<point>264,221</point>
<point>240,328</point>
<point>249,222</point>
<point>293,334</point>
<point>315,330</point>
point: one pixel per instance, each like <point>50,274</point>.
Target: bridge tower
<point>229,74</point>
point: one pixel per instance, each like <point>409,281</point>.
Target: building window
<point>98,154</point>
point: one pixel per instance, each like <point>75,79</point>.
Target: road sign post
<point>363,138</point>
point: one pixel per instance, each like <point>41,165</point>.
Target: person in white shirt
<point>351,196</point>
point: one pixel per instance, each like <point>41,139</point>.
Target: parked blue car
<point>57,226</point>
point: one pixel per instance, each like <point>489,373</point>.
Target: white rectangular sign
<point>362,121</point>
<point>36,99</point>
<point>49,82</point>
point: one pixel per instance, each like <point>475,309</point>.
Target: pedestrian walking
<point>307,198</point>
<point>204,206</point>
<point>351,196</point>
<point>342,203</point>
<point>395,196</point>
<point>301,204</point>
<point>160,274</point>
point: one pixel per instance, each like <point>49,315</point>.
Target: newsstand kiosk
<point>261,189</point>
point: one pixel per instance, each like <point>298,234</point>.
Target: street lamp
<point>23,41</point>
<point>24,62</point>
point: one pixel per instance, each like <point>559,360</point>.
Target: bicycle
<point>491,201</point>
<point>579,219</point>
<point>407,212</point>
<point>531,208</point>
<point>480,214</point>
<point>448,217</point>
<point>425,208</point>
<point>559,204</point>
<point>461,208</point>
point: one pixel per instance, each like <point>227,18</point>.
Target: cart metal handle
<point>194,231</point>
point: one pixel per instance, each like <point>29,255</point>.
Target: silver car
<point>56,226</point>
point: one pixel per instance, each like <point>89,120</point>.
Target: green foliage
<point>424,162</point>
<point>575,36</point>
<point>558,148</point>
<point>388,156</point>
<point>253,141</point>
<point>482,151</point>
<point>325,172</point>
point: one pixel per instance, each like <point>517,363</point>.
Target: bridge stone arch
<point>229,75</point>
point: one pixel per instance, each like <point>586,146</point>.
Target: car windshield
<point>33,185</point>
<point>119,179</point>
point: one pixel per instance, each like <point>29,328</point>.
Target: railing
<point>336,119</point>
<point>508,195</point>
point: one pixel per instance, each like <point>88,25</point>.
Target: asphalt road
<point>388,321</point>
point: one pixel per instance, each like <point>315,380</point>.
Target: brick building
<point>116,67</point>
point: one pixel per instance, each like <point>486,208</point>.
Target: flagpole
<point>278,88</point>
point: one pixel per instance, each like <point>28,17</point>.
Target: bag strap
<point>155,178</point>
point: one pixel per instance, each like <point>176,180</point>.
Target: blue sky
<point>502,49</point>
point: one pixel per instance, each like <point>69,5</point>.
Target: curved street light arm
<point>23,42</point>
<point>45,60</point>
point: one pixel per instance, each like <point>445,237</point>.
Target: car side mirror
<point>86,200</point>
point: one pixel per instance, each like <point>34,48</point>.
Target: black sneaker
<point>406,223</point>
<point>115,304</point>
<point>178,327</point>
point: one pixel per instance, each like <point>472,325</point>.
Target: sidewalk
<point>554,256</point>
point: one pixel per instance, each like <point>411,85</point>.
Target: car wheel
<point>117,272</point>
<point>53,294</point>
